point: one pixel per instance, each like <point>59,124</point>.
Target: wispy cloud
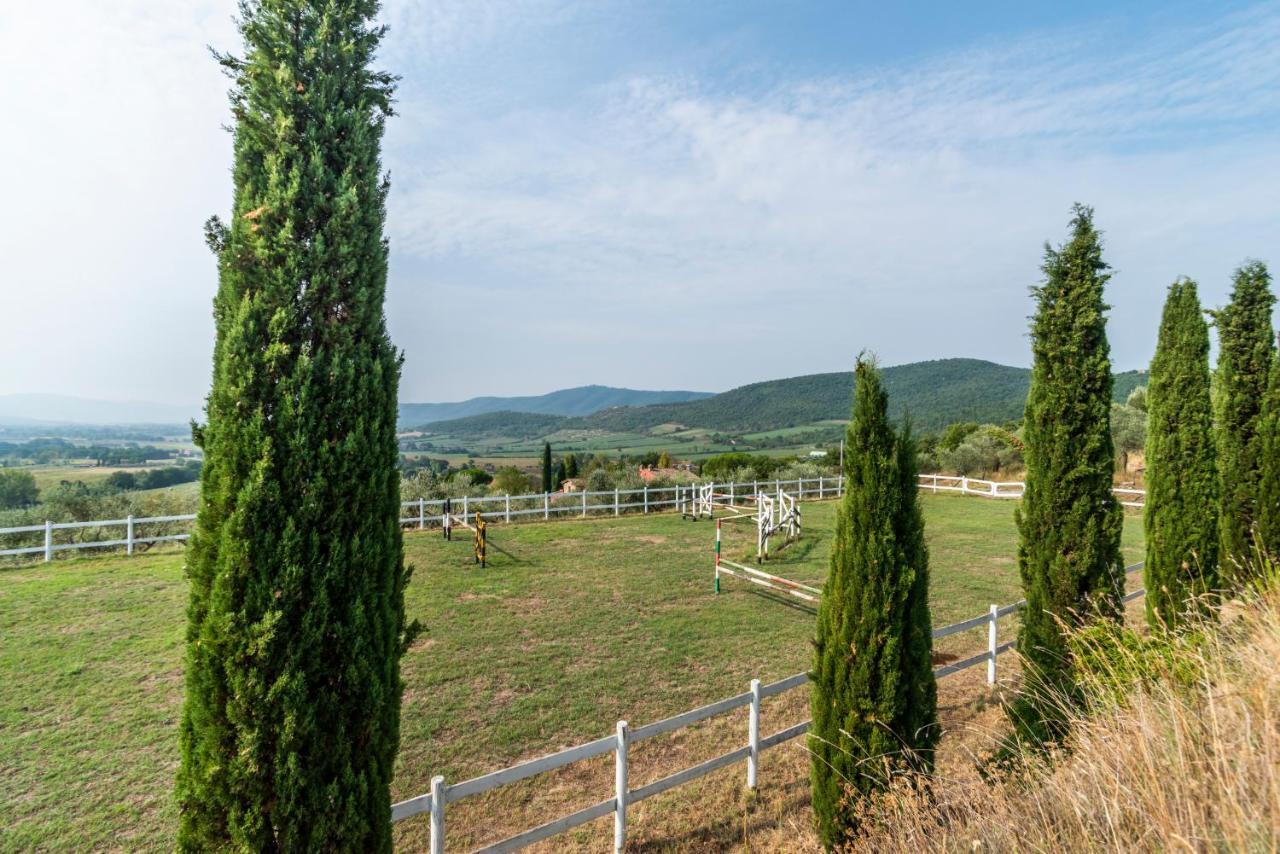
<point>908,206</point>
<point>691,215</point>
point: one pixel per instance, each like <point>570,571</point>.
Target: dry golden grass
<point>1188,761</point>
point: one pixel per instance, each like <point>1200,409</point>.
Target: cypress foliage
<point>874,697</point>
<point>1181,517</point>
<point>1245,354</point>
<point>570,465</point>
<point>547,485</point>
<point>1268,510</point>
<point>1069,522</point>
<point>296,625</point>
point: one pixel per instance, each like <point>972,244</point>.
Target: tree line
<point>1212,521</point>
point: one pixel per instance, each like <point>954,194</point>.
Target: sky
<point>663,195</point>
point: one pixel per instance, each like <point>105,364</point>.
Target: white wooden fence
<point>619,743</point>
<point>1006,489</point>
<point>424,513</point>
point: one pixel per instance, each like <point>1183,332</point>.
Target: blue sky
<point>658,195</point>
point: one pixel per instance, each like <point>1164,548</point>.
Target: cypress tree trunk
<point>1069,523</point>
<point>1181,517</point>
<point>1268,509</point>
<point>874,698</point>
<point>296,621</point>
<point>1245,355</point>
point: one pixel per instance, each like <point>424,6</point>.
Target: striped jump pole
<point>718,556</point>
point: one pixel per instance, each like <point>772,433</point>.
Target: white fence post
<point>993,489</point>
<point>128,534</point>
<point>615,501</point>
<point>508,506</point>
<point>620,789</point>
<point>437,815</point>
<point>822,487</point>
<point>464,509</point>
<point>646,498</point>
<point>753,735</point>
<point>546,505</point>
<point>964,485</point>
<point>422,513</point>
<point>584,501</point>
<point>991,646</point>
<point>48,541</point>
<point>731,486</point>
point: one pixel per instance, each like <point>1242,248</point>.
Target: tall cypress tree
<point>874,697</point>
<point>547,485</point>
<point>1181,516</point>
<point>1245,353</point>
<point>1267,529</point>
<point>570,465</point>
<point>1069,523</point>
<point>296,622</point>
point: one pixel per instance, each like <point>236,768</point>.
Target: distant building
<point>651,473</point>
<point>817,453</point>
<point>572,484</point>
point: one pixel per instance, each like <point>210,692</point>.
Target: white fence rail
<point>423,513</point>
<point>442,793</point>
<point>1006,489</point>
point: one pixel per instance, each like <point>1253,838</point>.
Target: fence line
<point>442,794</point>
<point>424,513</point>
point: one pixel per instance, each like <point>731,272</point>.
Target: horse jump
<point>760,577</point>
<point>480,531</point>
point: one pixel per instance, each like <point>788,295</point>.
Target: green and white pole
<point>718,555</point>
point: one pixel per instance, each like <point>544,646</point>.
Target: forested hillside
<point>935,394</point>
<point>583,400</point>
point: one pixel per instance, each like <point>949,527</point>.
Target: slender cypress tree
<point>560,475</point>
<point>547,485</point>
<point>1267,530</point>
<point>1245,353</point>
<point>874,697</point>
<point>570,465</point>
<point>1182,478</point>
<point>1069,522</point>
<point>296,621</point>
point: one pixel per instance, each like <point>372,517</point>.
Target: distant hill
<point>30,410</point>
<point>935,393</point>
<point>504,423</point>
<point>583,400</point>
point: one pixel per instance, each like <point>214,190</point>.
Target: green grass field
<point>574,625</point>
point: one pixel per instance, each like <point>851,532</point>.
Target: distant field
<point>574,625</point>
<point>47,476</point>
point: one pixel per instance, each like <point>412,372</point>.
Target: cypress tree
<point>1181,517</point>
<point>570,465</point>
<point>560,475</point>
<point>874,697</point>
<point>547,486</point>
<point>1245,354</point>
<point>296,625</point>
<point>1069,522</point>
<point>1268,509</point>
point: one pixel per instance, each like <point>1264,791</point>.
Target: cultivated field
<point>574,625</point>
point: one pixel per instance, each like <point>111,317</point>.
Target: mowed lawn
<point>573,626</point>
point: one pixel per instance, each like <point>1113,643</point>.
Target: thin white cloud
<point>652,228</point>
<point>910,205</point>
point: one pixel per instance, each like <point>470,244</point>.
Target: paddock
<point>575,626</point>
